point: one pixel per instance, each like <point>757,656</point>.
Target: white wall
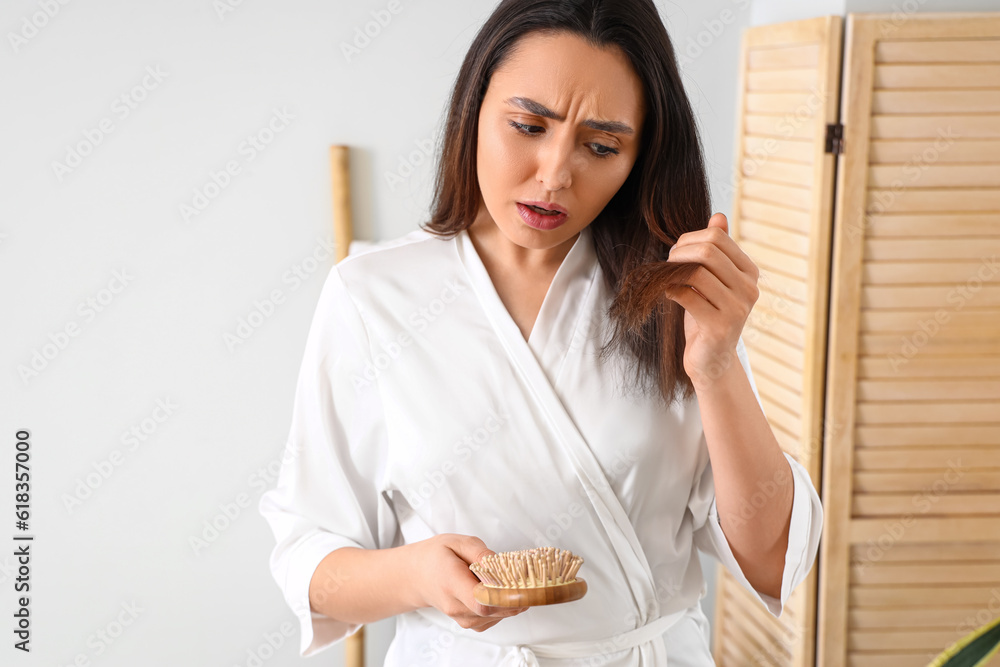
<point>905,7</point>
<point>777,11</point>
<point>114,516</point>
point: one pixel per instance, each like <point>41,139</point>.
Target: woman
<point>509,377</point>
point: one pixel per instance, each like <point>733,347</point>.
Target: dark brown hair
<point>665,195</point>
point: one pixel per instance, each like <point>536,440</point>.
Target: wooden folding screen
<point>910,560</point>
<point>904,318</point>
<point>781,217</point>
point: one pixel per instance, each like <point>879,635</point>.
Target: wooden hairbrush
<point>527,578</point>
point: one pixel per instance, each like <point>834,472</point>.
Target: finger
<point>717,233</point>
<point>504,612</point>
<point>693,302</point>
<point>715,260</point>
<point>496,612</point>
<point>486,626</point>
<point>719,220</point>
<point>470,549</point>
<point>710,288</point>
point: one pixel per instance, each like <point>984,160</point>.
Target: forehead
<point>562,69</point>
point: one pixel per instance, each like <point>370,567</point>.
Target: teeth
<point>543,211</point>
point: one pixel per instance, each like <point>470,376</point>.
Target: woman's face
<point>577,159</point>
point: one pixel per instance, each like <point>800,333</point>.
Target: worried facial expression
<point>560,124</point>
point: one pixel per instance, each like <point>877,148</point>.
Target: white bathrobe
<point>421,409</point>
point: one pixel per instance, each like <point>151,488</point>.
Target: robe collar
<point>556,322</point>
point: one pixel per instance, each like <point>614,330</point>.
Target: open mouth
<point>542,211</point>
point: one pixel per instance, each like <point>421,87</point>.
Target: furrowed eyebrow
<point>533,107</point>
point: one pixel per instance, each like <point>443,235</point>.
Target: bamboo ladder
<point>343,233</point>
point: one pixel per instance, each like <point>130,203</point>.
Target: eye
<point>609,153</point>
<point>523,129</point>
<point>520,127</point>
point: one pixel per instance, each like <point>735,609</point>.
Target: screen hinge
<point>835,138</point>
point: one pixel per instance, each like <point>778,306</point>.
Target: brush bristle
<point>528,568</point>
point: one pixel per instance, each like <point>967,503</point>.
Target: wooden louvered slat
<point>774,237</point>
<point>776,214</point>
<point>882,151</point>
<point>804,79</point>
<point>784,286</point>
<point>929,412</point>
<point>762,149</point>
<point>764,628</point>
<point>782,349</point>
<point>937,101</point>
<point>910,596</point>
<point>788,57</point>
<point>765,318</point>
<point>881,435</point>
<point>776,103</point>
<point>789,397</point>
<point>919,173</point>
<point>930,574</point>
<point>970,322</point>
<point>925,366</point>
<point>776,369</point>
<point>895,346</point>
<point>780,415</point>
<point>957,481</point>
<point>903,552</point>
<point>973,200</point>
<point>778,126</point>
<point>899,271</point>
<point>921,640</point>
<point>914,358</point>
<point>902,619</point>
<point>940,390</point>
<point>983,252</point>
<point>781,218</point>
<point>738,643</point>
<point>778,171</point>
<point>889,504</point>
<point>773,298</point>
<point>939,127</point>
<point>777,261</point>
<point>937,51</point>
<point>926,458</point>
<point>936,76</point>
<point>931,297</point>
<point>776,193</point>
<point>942,226</point>
<point>904,658</point>
<point>927,528</point>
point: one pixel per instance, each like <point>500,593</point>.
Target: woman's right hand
<point>442,579</point>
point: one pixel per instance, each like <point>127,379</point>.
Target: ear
<point>719,220</point>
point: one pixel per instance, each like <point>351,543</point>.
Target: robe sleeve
<point>803,535</point>
<point>327,493</point>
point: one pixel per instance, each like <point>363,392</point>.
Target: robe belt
<point>526,655</point>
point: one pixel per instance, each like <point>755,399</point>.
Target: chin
<point>528,237</point>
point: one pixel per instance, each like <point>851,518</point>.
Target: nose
<point>555,164</point>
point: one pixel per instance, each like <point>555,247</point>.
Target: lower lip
<point>539,221</point>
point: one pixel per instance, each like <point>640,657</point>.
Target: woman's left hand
<point>718,301</point>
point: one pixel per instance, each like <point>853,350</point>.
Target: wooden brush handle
<point>529,597</point>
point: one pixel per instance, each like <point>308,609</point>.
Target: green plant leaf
<point>972,650</point>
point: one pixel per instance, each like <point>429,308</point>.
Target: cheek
<point>599,183</point>
<point>503,160</point>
